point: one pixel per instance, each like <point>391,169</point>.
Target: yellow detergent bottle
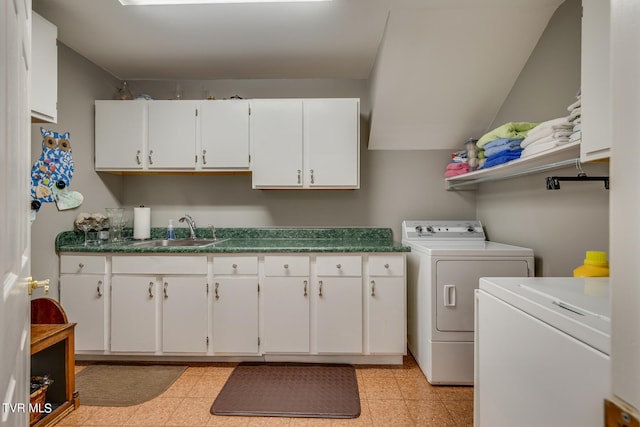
<point>595,265</point>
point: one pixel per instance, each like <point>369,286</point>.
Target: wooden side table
<point>52,352</point>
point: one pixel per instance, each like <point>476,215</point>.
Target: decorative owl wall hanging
<point>52,172</point>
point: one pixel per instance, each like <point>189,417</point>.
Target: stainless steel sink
<point>178,243</point>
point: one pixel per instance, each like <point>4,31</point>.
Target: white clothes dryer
<point>444,267</point>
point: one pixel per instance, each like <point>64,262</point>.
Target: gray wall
<point>559,225</point>
<point>395,185</point>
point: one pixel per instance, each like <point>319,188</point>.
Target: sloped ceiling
<point>443,70</point>
<point>439,69</point>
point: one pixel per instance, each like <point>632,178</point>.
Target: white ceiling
<point>335,39</point>
<point>439,69</point>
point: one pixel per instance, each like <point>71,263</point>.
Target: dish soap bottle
<point>171,233</point>
<point>595,265</point>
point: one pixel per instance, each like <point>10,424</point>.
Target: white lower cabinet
<point>82,296</point>
<point>338,297</point>
<point>184,314</point>
<point>133,314</point>
<point>235,315</point>
<point>285,304</point>
<point>386,295</point>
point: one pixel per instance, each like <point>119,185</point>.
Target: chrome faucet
<point>191,223</point>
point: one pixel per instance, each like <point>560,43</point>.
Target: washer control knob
<point>419,228</point>
<point>470,229</point>
<point>430,229</point>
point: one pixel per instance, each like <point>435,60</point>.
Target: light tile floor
<point>389,396</point>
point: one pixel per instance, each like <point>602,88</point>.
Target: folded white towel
<point>545,128</point>
<point>538,148</point>
<point>548,135</point>
<point>549,138</point>
<point>575,113</point>
<point>577,127</point>
<point>576,104</point>
<point>576,136</point>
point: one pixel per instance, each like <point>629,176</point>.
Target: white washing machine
<point>542,351</point>
<point>444,267</point>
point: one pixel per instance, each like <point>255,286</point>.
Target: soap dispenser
<point>171,233</point>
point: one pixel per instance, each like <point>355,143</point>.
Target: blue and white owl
<point>52,172</point>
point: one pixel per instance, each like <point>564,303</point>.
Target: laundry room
<point>394,216</point>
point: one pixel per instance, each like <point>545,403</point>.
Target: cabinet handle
<point>165,290</point>
<point>81,266</point>
<point>138,157</point>
<point>386,266</point>
<point>299,176</point>
<point>338,266</point>
<point>98,288</point>
<point>320,291</point>
<point>305,288</point>
<point>373,288</point>
<point>312,178</point>
<point>150,159</point>
<point>216,290</point>
<point>286,266</point>
<point>204,157</point>
<point>150,289</point>
<point>234,266</point>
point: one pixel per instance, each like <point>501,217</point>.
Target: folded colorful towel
<point>503,158</point>
<point>507,130</point>
<point>455,166</point>
<point>450,173</point>
<point>499,145</point>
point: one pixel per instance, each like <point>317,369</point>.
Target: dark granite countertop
<point>251,240</point>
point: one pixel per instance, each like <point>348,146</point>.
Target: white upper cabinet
<point>276,142</point>
<point>224,134</point>
<point>331,140</point>
<point>172,135</point>
<point>44,70</point>
<point>596,86</point>
<point>120,135</point>
<point>305,143</point>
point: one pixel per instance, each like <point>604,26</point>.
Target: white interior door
<point>15,248</point>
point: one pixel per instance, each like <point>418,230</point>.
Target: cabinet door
<point>235,315</point>
<point>172,135</point>
<point>133,314</point>
<point>224,134</point>
<point>44,70</point>
<point>184,314</point>
<point>595,82</point>
<point>82,298</point>
<point>276,142</point>
<point>120,132</point>
<point>387,318</point>
<point>331,143</point>
<point>285,303</point>
<point>339,314</point>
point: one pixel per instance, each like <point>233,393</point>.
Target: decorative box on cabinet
<point>44,70</point>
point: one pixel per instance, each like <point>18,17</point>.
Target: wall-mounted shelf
<point>562,156</point>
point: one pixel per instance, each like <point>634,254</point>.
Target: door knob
<point>35,284</point>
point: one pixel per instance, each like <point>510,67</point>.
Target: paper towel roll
<point>141,223</point>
